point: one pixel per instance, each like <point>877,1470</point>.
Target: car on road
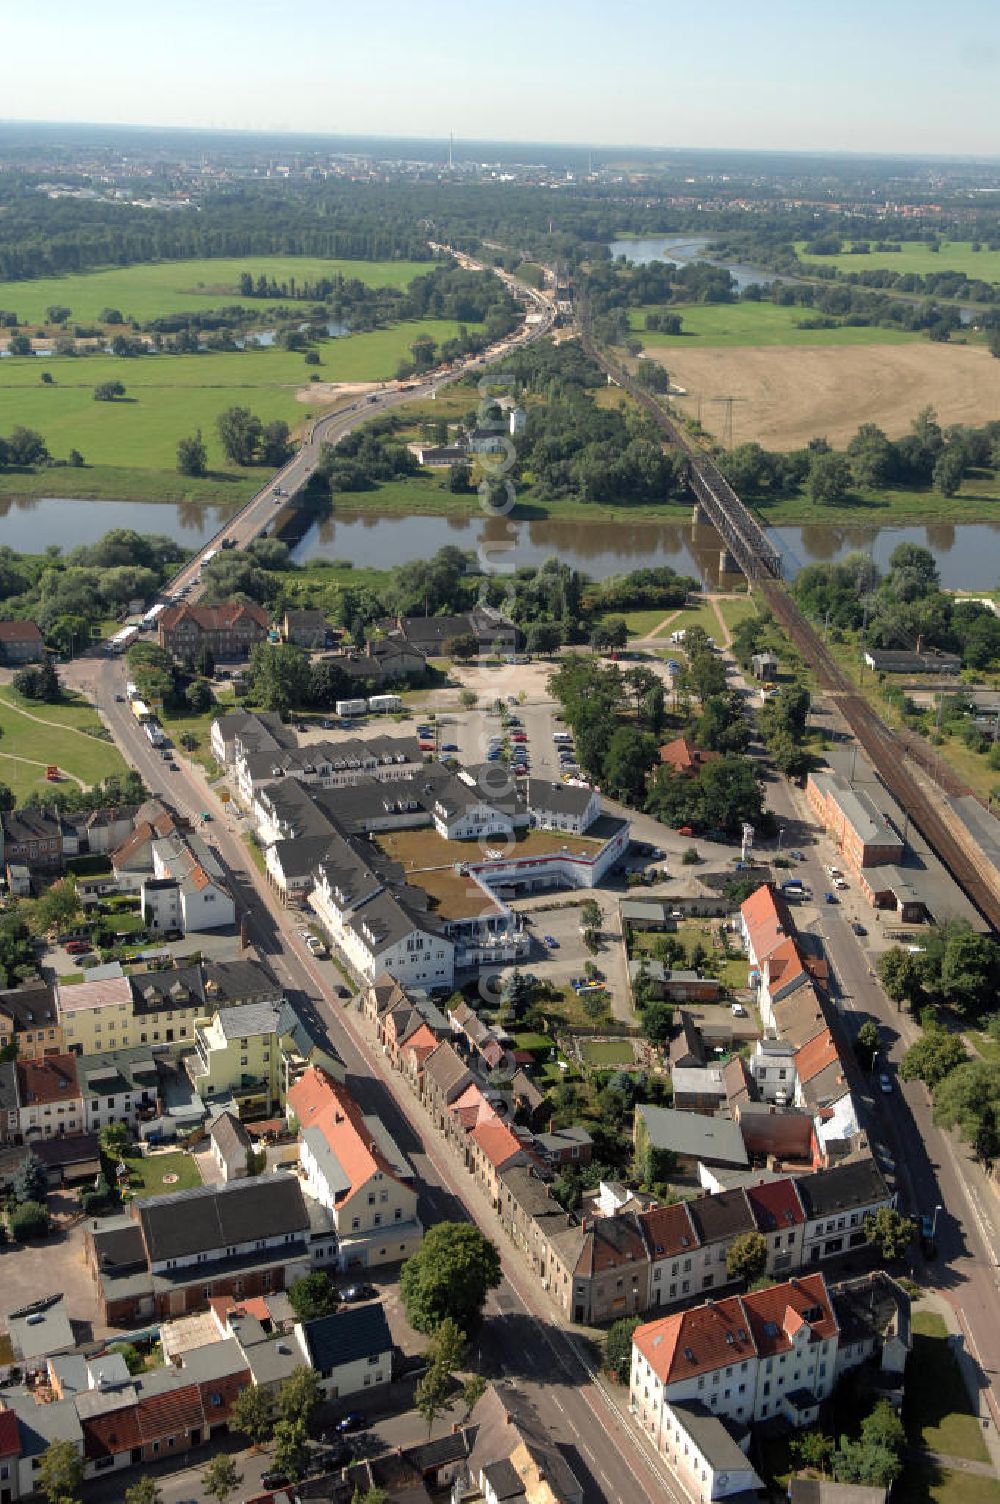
<point>352,1421</point>
<point>353,1293</point>
<point>316,947</point>
<point>274,1478</point>
<point>172,766</point>
<point>840,885</point>
<point>858,927</point>
<point>829,897</point>
<point>885,1083</point>
<point>119,699</point>
<point>449,747</point>
<point>796,856</point>
<point>551,942</point>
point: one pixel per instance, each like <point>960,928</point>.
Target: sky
<point>859,75</point>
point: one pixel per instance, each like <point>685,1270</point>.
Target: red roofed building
<point>354,1168</point>
<point>490,1148</point>
<point>672,1242</point>
<point>750,1358</point>
<point>49,1098</point>
<point>778,1213</point>
<point>228,630</point>
<point>686,759</point>
<point>765,923</point>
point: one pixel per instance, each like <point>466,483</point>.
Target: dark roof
<point>20,631</point>
<point>70,1149</point>
<point>8,1087</point>
<point>230,1137</point>
<point>722,1216</point>
<point>30,825</point>
<point>118,1247</point>
<point>353,1333</point>
<point>29,1006</point>
<point>237,981</point>
<point>216,1217</point>
<point>856,1183</point>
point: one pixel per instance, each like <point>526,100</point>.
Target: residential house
<point>512,1457</point>
<point>352,1166</point>
<point>778,1216</point>
<point>664,982</point>
<point>96,1016</point>
<point>49,1097</point>
<point>306,628</point>
<point>674,1251</point>
<point>228,631</point>
<point>707,1453</point>
<point>836,1202</point>
<point>118,1086</point>
<point>9,1103</point>
<point>445,1077</point>
<point>231,1147</point>
<point>684,758</point>
<point>248,731</point>
<point>351,1350</point>
<point>21,642</point>
<point>32,838</point>
<point>29,1021</point>
<point>70,1159</point>
<point>237,1054</point>
<point>873,1314</point>
<point>770,1353</point>
<point>561,1147</point>
<point>172,1254</point>
<point>698,1088</point>
<point>188,889</point>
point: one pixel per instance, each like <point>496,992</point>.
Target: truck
<point>351,707</point>
<point>150,618</point>
<point>155,733</point>
<point>131,690</point>
<point>121,641</point>
<point>208,556</point>
<point>141,711</point>
<point>384,704</point>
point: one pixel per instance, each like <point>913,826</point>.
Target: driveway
<point>49,1265</point>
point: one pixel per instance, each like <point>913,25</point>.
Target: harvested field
<point>790,395</point>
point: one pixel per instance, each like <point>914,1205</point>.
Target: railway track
<point>886,751</point>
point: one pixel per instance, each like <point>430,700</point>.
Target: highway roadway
<point>523,1339</point>
<point>251,519</point>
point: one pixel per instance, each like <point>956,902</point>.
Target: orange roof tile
<point>421,1042</point>
<point>776,1313</point>
<point>815,1056</point>
<point>775,1205</point>
<point>50,1079</point>
<point>497,1142</point>
<point>684,757</point>
<point>669,1230</point>
<point>320,1102</point>
<point>767,921</point>
<point>695,1341</point>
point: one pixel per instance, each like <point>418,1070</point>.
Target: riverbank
<point>427,495</point>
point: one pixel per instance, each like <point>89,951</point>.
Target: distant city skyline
<point>892,77</point>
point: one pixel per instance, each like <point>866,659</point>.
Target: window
<point>373,1360</point>
<point>355,1224</point>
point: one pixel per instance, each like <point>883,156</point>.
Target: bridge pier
<point>727,563</point>
<point>699,517</point>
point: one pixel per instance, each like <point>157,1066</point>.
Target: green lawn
<point>538,1044</point>
<point>701,615</point>
<point>923,1484</point>
<point>168,396</point>
<point>736,610</point>
<point>729,324</point>
<point>84,757</point>
<point>986,1046</point>
<point>976,500</point>
<point>145,292</point>
<point>146,1174</point>
<point>604,1052</point>
<point>915,256</point>
<point>937,1408</point>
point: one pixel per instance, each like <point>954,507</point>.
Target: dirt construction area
<point>786,395</point>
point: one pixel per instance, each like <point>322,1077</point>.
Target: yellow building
<point>238,1054</point>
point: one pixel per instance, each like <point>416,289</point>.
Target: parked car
<point>274,1478</point>
<point>858,928</point>
<point>830,897</point>
<point>78,947</point>
<point>358,1292</point>
<point>840,884</point>
<point>738,1010</point>
<point>551,942</point>
<point>352,1421</point>
<point>885,1083</point>
<point>450,747</point>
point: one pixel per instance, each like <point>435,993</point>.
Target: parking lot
<point>566,960</point>
<point>470,732</point>
<point>54,1264</point>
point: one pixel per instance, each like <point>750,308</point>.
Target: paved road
<point>245,525</point>
<point>523,1339</point>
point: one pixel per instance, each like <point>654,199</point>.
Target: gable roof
<point>49,1079</point>
<point>20,631</point>
<point>721,1217</point>
<point>775,1205</point>
<point>778,1312</point>
<point>323,1106</point>
<point>856,1183</point>
<point>221,618</point>
<point>669,1230</point>
<point>348,1334</point>
<point>497,1142</point>
<point>816,1056</point>
<point>696,1341</point>
<point>217,1217</point>
<point>767,921</point>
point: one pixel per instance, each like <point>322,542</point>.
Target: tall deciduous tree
<point>240,434</point>
<point>450,1275</point>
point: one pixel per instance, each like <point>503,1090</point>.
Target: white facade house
<point>765,1355</point>
<point>351,1350</point>
<point>205,902</point>
<point>703,1451</point>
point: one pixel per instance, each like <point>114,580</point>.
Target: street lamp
<point>781,835</point>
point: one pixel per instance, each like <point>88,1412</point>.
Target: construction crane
<point>727,422</point>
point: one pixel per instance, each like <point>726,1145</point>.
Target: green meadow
<point>724,325</point>
<point>168,396</point>
<point>915,256</point>
<point>149,291</point>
